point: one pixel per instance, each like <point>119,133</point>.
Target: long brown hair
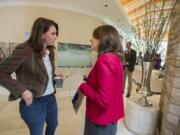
<point>41,26</point>
<point>109,40</point>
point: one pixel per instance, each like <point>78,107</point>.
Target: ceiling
<point>138,12</point>
<point>109,11</point>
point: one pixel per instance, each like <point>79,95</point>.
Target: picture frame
<point>74,55</point>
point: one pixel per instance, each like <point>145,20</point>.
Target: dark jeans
<point>95,129</point>
<point>43,109</point>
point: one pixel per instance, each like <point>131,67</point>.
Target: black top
<point>130,59</point>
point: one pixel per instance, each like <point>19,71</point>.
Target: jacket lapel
<point>53,65</point>
<point>41,64</point>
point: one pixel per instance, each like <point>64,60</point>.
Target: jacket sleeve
<point>10,65</point>
<point>103,96</point>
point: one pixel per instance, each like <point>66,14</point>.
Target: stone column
<point>169,122</point>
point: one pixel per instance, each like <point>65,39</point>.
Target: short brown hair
<point>109,39</point>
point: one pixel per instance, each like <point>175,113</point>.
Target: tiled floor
<point>69,122</point>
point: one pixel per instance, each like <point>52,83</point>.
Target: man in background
<point>130,61</point>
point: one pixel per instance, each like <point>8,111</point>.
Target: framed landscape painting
<point>74,55</point>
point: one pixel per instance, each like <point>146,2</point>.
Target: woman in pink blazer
<point>104,85</point>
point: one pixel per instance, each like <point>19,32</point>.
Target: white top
<point>50,89</point>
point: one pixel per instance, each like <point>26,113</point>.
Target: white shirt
<point>50,88</point>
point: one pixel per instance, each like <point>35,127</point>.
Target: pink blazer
<point>104,90</point>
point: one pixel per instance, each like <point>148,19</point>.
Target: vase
<point>145,88</point>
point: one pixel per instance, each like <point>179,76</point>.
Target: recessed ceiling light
<point>106,5</point>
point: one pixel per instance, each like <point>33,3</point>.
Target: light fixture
<point>106,5</point>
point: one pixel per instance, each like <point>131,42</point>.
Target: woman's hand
<point>28,97</point>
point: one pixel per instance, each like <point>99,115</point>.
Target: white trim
<point>121,8</point>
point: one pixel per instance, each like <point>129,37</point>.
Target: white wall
<point>74,27</point>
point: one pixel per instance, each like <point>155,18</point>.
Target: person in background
<point>33,63</point>
<point>130,61</point>
<point>104,85</point>
<point>139,59</point>
<point>157,60</point>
